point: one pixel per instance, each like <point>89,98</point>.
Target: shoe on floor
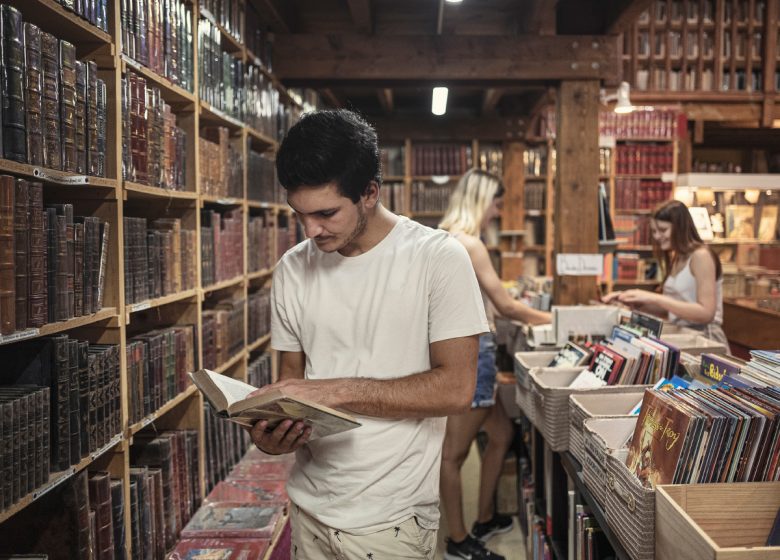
<point>469,549</point>
<point>499,524</point>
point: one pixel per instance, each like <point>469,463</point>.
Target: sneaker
<point>469,549</point>
<point>499,524</point>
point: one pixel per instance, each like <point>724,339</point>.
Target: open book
<point>229,398</point>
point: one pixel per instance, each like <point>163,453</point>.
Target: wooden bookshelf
<point>231,44</point>
<point>111,199</point>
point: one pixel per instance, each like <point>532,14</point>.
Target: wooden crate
<point>716,521</point>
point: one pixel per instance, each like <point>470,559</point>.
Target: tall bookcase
<point>538,206</point>
<point>112,199</point>
<point>725,46</point>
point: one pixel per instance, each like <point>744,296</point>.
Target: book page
<point>233,389</point>
<point>322,422</point>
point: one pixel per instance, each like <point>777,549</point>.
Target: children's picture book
<point>740,221</point>
<point>701,219</point>
<point>231,399</point>
<point>767,225</point>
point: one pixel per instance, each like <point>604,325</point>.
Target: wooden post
<point>512,214</point>
<point>577,180</point>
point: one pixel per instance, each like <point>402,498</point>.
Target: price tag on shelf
<point>579,264</point>
<point>141,306</point>
<point>17,336</point>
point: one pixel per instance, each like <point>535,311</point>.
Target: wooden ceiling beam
<point>490,99</point>
<point>429,128</point>
<point>620,14</point>
<point>353,58</point>
<point>538,17</point>
<point>279,14</point>
<point>362,15</point>
<point>332,98</point>
<point>385,96</point>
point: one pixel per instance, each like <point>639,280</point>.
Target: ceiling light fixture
<point>439,100</point>
<point>454,1</point>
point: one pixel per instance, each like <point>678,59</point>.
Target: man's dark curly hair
<point>330,146</point>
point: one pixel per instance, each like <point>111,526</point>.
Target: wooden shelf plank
<point>61,326</point>
<point>137,190</point>
<point>52,17</point>
<point>729,181</point>
<point>55,177</point>
<point>222,200</point>
<point>222,368</point>
<point>160,301</point>
<point>261,273</point>
<point>634,248</point>
<point>261,141</point>
<point>637,211</point>
<point>163,410</point>
<point>258,343</point>
<point>266,205</point>
<point>212,115</point>
<point>172,93</point>
<point>57,478</point>
<point>224,284</point>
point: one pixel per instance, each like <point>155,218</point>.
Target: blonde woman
<point>474,203</point>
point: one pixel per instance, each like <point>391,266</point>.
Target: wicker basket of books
<point>630,508</point>
<point>550,388</point>
<point>525,361</point>
<point>603,436</point>
<point>582,407</point>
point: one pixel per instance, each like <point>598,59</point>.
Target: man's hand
<point>285,438</point>
<point>327,392</point>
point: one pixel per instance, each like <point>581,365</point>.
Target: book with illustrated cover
<point>740,221</point>
<point>250,491</point>
<point>230,399</point>
<point>607,364</point>
<point>701,219</point>
<point>234,520</point>
<point>220,549</point>
<point>571,355</point>
<point>715,366</point>
<point>659,438</point>
<point>767,224</point>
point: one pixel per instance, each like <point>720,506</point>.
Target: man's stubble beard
<point>360,227</point>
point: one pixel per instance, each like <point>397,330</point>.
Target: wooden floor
<point>509,545</point>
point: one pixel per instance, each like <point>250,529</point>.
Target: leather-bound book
<point>13,84</point>
<point>34,94</point>
<point>7,256</point>
<point>52,151</point>
<point>81,117</point>
<point>36,270</point>
<point>102,105</point>
<point>22,249</point>
<point>92,119</point>
<point>68,105</point>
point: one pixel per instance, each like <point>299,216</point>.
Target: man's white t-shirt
<point>374,315</point>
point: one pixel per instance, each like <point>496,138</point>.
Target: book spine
<point>21,248</point>
<point>105,229</point>
<point>68,105</point>
<point>34,94</point>
<point>81,117</point>
<point>13,85</point>
<point>60,417</point>
<point>52,151</point>
<point>78,269</point>
<point>37,309</point>
<point>93,163</point>
<point>74,401</point>
<point>7,255</point>
<point>100,499</point>
<point>118,515</point>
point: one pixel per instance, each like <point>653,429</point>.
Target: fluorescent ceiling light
<point>454,1</point>
<point>439,100</point>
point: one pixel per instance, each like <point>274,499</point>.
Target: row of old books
<point>533,196</point>
<point>220,73</point>
<point>54,106</point>
<point>660,123</point>
<point>52,263</point>
<point>260,370</point>
<point>632,230</point>
<point>89,522</point>
<point>286,234</point>
<point>164,469</point>
<point>160,258</point>
<point>223,332</point>
<point>260,237</point>
<point>634,267</point>
<point>644,159</point>
<point>154,148</point>
<point>226,443</point>
<point>259,39</point>
<point>262,104</point>
<point>392,160</point>
<point>428,197</point>
<point>441,159</point>
<point>590,542</point>
<point>65,406</point>
<point>491,159</point>
<point>94,11</point>
<point>221,164</point>
<point>535,161</point>
<point>259,304</point>
<point>261,179</point>
<point>725,434</point>
<point>393,196</point>
<point>158,34</point>
<point>157,366</point>
<point>221,245</point>
<point>640,194</point>
<point>244,514</point>
<point>229,14</point>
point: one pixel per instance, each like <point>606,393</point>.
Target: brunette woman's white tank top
<point>682,286</point>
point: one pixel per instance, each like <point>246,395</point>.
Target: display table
<point>752,324</point>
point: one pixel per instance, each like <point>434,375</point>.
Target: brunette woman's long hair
<point>685,239</point>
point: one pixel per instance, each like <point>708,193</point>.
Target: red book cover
<point>607,364</point>
<point>220,549</point>
<point>234,520</point>
<point>250,492</point>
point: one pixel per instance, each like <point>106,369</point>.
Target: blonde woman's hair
<point>470,200</point>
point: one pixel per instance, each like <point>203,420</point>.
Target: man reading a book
<point>378,316</point>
